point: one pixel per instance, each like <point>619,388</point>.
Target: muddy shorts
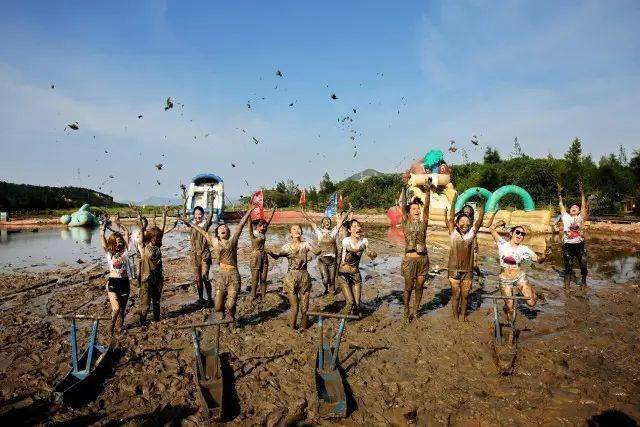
<point>350,279</point>
<point>119,285</point>
<point>228,281</point>
<point>461,275</point>
<point>297,282</point>
<point>414,267</point>
<point>201,263</point>
<point>259,263</point>
<point>518,279</point>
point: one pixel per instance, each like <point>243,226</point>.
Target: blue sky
<point>418,74</point>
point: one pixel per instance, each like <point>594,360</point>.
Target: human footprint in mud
<point>415,264</point>
<point>120,272</point>
<point>353,247</point>
<point>572,237</point>
<point>225,249</point>
<point>327,241</point>
<point>151,277</point>
<point>259,263</point>
<point>201,253</point>
<point>297,281</point>
<point>462,234</point>
<point>512,253</point>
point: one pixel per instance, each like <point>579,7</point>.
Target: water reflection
<point>77,234</point>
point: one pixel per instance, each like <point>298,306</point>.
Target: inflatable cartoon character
<point>81,218</point>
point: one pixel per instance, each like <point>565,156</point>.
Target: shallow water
<point>609,260</point>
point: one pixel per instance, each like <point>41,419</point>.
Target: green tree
<point>491,156</point>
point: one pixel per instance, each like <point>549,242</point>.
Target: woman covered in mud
<point>297,281</point>
<point>353,247</point>
<point>415,264</point>
<point>225,249</point>
<point>327,242</point>
<point>201,253</point>
<point>512,253</point>
<point>259,263</point>
<point>572,237</point>
<point>462,234</point>
<point>120,272</point>
<point>151,278</point>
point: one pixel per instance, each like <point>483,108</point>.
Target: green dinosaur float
<point>81,218</point>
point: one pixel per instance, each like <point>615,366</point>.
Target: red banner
<point>340,203</point>
<point>258,201</point>
<point>303,197</point>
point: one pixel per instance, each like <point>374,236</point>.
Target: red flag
<point>258,201</point>
<point>303,197</point>
<point>340,202</point>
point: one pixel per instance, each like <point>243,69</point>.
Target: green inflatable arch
<point>527,201</point>
<point>471,192</point>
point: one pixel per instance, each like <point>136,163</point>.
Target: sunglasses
<point>520,233</point>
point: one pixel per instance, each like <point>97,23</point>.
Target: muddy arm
<point>243,221</point>
<point>427,203</point>
<point>403,204</point>
<point>494,233</point>
<point>308,219</point>
<point>563,210</point>
<point>273,212</point>
<point>479,220</point>
<point>200,230</point>
<point>164,218</point>
<point>103,237</point>
<point>450,214</point>
<point>584,206</point>
<point>207,225</point>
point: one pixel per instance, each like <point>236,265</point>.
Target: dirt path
<point>578,354</point>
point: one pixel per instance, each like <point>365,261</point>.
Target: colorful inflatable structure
<point>436,172</point>
<point>81,218</point>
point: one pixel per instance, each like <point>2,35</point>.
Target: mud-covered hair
<point>198,208</point>
<point>259,222</point>
<point>416,201</point>
<point>218,228</point>
<point>348,224</point>
<point>112,241</point>
<point>473,211</point>
<point>325,217</point>
<point>153,235</point>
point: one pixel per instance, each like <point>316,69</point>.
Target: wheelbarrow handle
<point>81,316</point>
<point>334,315</point>
<point>204,325</point>
<point>513,297</point>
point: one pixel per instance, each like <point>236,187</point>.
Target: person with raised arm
<point>415,264</point>
<point>462,235</point>
<point>225,248</point>
<point>120,272</point>
<point>573,247</point>
<point>259,262</point>
<point>297,281</point>
<point>327,242</point>
<point>511,254</point>
<point>201,253</point>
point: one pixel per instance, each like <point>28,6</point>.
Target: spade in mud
<point>159,166</point>
<point>73,126</point>
<point>333,96</point>
<point>256,140</point>
<point>279,73</point>
<point>168,104</point>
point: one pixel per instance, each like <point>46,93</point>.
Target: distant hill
<point>364,174</point>
<point>15,197</point>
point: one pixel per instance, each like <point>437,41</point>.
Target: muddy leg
<point>122,301</point>
<point>464,298</point>
<point>332,276</point>
<point>527,290</point>
<point>293,313</point>
<point>221,293</point>
<point>345,285</point>
<point>567,257</point>
<point>507,290</point>
<point>304,306</point>
<point>115,310</point>
<point>263,276</point>
<point>197,272</point>
<point>582,261</point>
<point>357,296</point>
<point>455,297</point>
<point>406,295</point>
<point>255,278</point>
<point>417,300</point>
<point>206,283</point>
<point>232,296</point>
<point>144,295</point>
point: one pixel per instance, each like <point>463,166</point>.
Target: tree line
<point>21,197</point>
<point>609,182</point>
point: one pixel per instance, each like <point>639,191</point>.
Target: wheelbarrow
<point>332,400</point>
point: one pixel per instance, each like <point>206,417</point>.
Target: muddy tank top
<point>199,244</point>
<point>151,261</point>
<point>296,255</point>
<point>327,241</point>
<point>415,236</point>
<point>257,241</point>
<point>227,251</point>
<point>461,251</point>
<point>351,254</point>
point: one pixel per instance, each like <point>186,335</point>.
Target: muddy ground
<point>578,354</point>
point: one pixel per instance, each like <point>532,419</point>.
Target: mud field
<point>577,354</point>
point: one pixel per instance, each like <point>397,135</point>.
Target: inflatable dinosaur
<point>80,218</point>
